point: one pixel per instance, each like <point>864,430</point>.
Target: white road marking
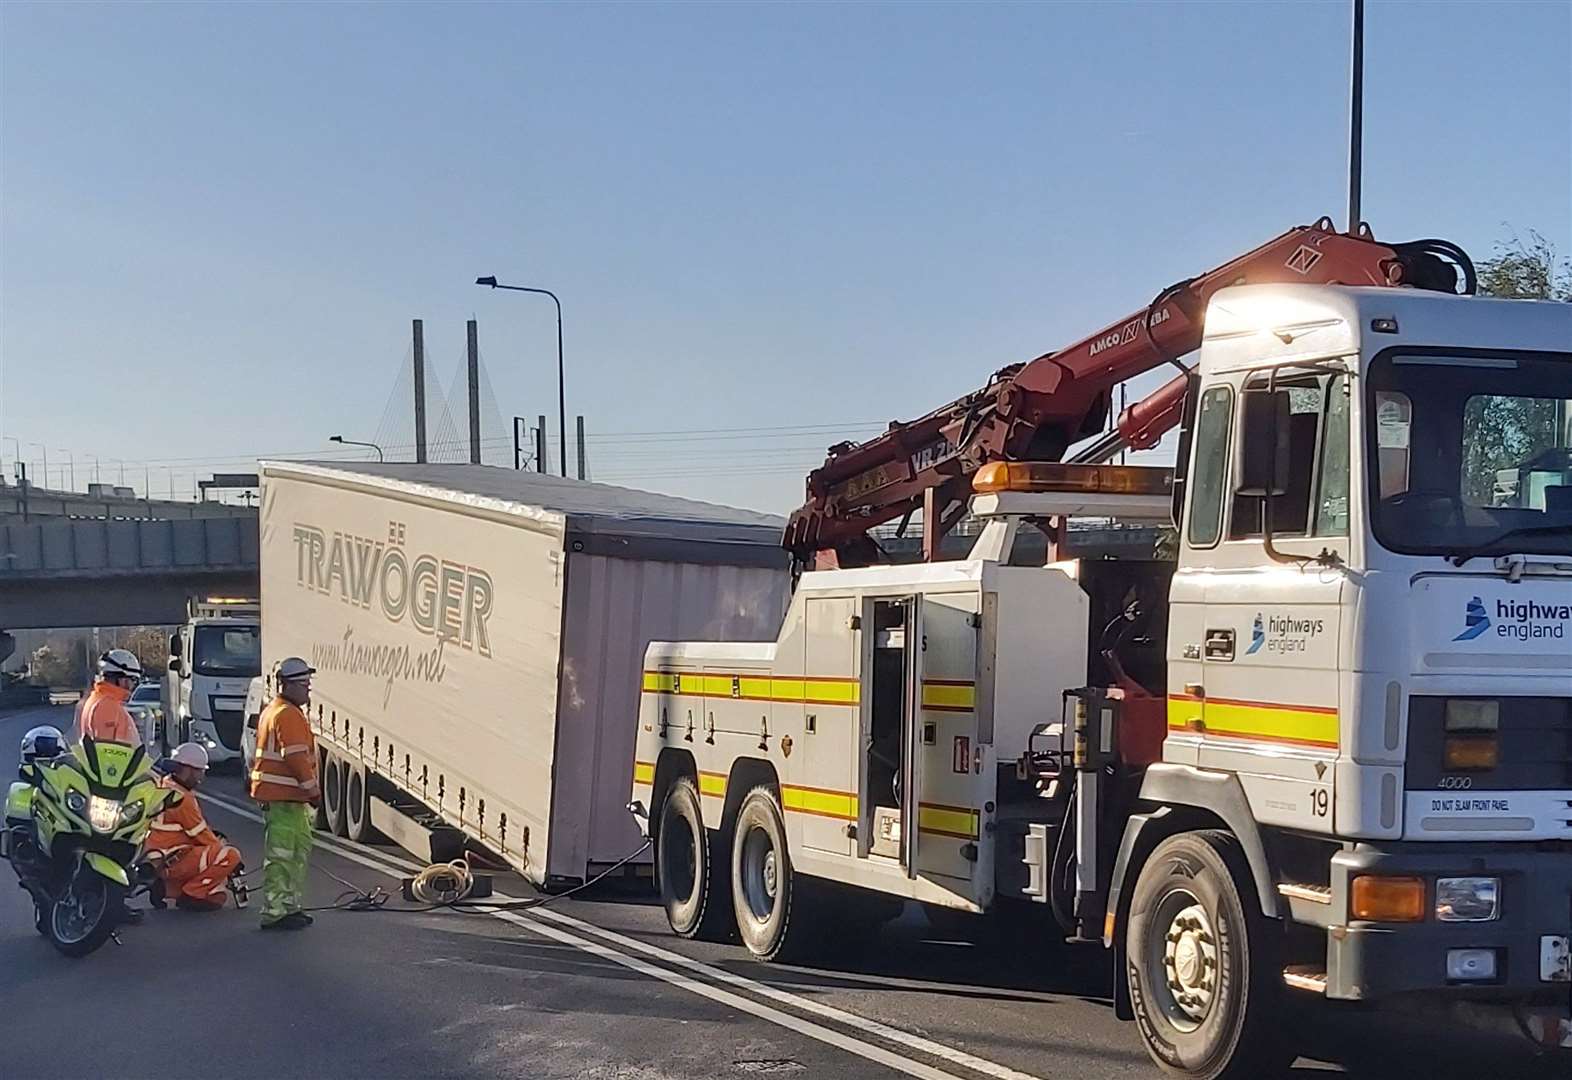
<point>392,865</point>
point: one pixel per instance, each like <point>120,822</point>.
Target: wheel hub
<point>769,875</point>
<point>1190,961</point>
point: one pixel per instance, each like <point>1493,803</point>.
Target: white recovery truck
<point>1328,753</point>
<point>478,635</point>
<point>212,659</point>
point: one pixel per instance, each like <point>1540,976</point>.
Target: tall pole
<point>540,445</point>
<point>562,399</point>
<point>1356,117</point>
<point>71,461</point>
<point>583,472</point>
<point>44,450</point>
<point>520,432</point>
<point>420,392</point>
<point>474,393</point>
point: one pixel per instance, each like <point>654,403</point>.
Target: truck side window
<point>1291,509</point>
<point>1214,420</point>
<point>1331,504</point>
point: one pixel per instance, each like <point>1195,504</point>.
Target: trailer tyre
<point>1202,963</point>
<point>357,805</point>
<point>333,796</point>
<point>690,877</point>
<point>764,891</point>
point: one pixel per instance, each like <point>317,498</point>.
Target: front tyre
<point>83,918</point>
<point>763,887</point>
<point>690,877</point>
<point>1202,963</point>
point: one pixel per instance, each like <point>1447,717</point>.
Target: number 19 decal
<point>1320,803</point>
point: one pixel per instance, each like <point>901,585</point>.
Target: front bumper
<point>205,732</point>
<point>1367,960</point>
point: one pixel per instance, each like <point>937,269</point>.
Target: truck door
<point>1272,601</point>
<point>826,800</point>
<point>946,762</point>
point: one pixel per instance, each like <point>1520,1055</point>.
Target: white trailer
<point>478,635</point>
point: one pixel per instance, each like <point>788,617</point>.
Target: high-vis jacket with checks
<point>285,769</point>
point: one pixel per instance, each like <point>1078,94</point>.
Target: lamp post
<point>354,442</point>
<point>562,400</point>
<point>71,462</point>
<point>44,450</point>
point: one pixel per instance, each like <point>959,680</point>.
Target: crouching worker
<point>193,861</point>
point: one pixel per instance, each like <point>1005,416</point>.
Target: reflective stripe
<point>956,821</point>
<point>195,829</point>
<point>1314,726</point>
<point>819,802</point>
<point>202,862</point>
<point>260,777</point>
<point>161,827</point>
<point>268,755</point>
<point>643,772</point>
<point>298,748</point>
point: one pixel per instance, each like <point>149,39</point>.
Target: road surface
<point>591,988</point>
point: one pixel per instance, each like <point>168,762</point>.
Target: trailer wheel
<point>319,820</point>
<point>333,795</point>
<point>357,805</point>
<point>1201,961</point>
<point>763,887</point>
<point>692,889</point>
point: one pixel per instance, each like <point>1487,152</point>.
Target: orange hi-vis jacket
<point>181,825</point>
<point>285,769</point>
<point>104,717</point>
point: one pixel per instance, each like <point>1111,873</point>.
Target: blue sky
<point>217,221</point>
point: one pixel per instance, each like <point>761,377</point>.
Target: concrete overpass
<point>60,572</point>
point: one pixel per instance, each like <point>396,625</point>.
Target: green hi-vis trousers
<point>286,844</point>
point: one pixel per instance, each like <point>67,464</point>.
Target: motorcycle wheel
<point>82,919</point>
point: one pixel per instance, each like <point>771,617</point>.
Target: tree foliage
<point>1504,431</point>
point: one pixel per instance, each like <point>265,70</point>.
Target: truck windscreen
<point>228,651</point>
<point>1471,454</point>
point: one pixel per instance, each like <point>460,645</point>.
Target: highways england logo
<point>1519,620</point>
<point>1283,633</point>
<point>1475,621</point>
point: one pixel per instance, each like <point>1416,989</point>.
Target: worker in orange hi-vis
<point>284,781</point>
<point>103,716</point>
<point>194,862</point>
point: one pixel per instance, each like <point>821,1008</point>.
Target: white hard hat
<point>42,741</point>
<point>122,662</point>
<point>189,753</point>
<point>291,669</point>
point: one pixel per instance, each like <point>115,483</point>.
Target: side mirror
<point>174,664</point>
<point>1262,452</point>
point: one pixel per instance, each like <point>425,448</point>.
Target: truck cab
<point>1347,773</point>
<point>213,658</point>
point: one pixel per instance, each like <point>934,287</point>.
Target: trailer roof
<point>586,509</point>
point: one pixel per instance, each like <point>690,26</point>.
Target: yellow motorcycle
<point>87,810</point>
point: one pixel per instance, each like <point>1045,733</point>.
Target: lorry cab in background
<point>213,658</point>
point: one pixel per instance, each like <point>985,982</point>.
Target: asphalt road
<point>593,987</point>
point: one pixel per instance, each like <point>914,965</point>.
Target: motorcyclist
<point>103,716</point>
<point>44,742</point>
<point>194,863</point>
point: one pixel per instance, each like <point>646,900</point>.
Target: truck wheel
<point>333,795</point>
<point>762,883</point>
<point>692,888</point>
<point>319,820</point>
<point>357,805</point>
<point>1201,963</point>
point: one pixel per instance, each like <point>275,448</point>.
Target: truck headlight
<point>1468,899</point>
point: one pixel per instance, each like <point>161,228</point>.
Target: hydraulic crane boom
<point>1038,409</point>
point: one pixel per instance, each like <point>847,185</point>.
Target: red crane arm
<point>1036,410</point>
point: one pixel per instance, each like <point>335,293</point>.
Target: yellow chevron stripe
<point>958,698</point>
<point>947,821</point>
<point>835,804</point>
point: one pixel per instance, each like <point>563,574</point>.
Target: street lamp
<point>42,449</point>
<point>562,401</point>
<point>95,466</point>
<point>354,442</point>
<point>71,461</point>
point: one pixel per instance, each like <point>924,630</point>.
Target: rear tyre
<point>357,805</point>
<point>333,796</point>
<point>765,892</point>
<point>691,879</point>
<point>319,820</point>
<point>1203,963</point>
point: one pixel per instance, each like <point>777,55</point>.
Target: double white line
<point>684,972</point>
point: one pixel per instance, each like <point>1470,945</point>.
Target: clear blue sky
<point>219,220</point>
